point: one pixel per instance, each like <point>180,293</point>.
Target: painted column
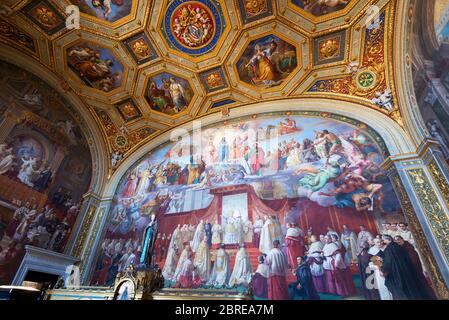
<point>7,125</point>
<point>94,240</point>
<point>421,184</point>
<point>59,156</point>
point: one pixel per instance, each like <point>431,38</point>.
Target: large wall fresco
<point>168,93</point>
<point>308,170</point>
<point>45,168</point>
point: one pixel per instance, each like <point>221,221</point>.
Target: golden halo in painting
<point>193,24</point>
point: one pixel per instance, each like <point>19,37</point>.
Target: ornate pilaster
<point>59,156</point>
<point>421,186</point>
<point>87,232</point>
<point>7,125</point>
<point>94,241</point>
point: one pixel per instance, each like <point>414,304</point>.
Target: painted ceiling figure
<point>149,240</point>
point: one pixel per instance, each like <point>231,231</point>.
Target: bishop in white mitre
<point>241,275</point>
<point>271,231</point>
<point>186,253</point>
<point>72,276</point>
<point>248,229</point>
<point>221,270</point>
<point>176,239</point>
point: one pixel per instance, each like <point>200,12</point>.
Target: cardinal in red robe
<point>277,275</point>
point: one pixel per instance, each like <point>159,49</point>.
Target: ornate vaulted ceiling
<point>143,67</point>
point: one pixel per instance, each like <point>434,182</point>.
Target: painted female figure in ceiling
<point>45,167</point>
<point>441,20</point>
<point>193,27</point>
<point>321,7</point>
<point>108,10</point>
<point>168,93</point>
<point>212,191</point>
<point>95,65</point>
<point>267,61</point>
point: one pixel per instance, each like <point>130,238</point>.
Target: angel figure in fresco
<point>332,3</point>
<point>159,97</point>
<point>316,179</point>
<point>92,68</point>
<point>320,145</point>
<point>289,126</point>
<point>261,67</point>
<point>27,171</point>
<point>33,99</point>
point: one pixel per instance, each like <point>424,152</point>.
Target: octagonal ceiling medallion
<point>111,11</point>
<point>45,16</point>
<point>267,61</point>
<point>168,93</point>
<point>193,27</point>
<point>95,65</point>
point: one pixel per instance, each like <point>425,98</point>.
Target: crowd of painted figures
<point>194,256</point>
<point>47,228</point>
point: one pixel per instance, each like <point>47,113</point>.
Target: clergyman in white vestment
<point>241,275</point>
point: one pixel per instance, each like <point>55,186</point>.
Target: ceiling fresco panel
<point>45,16</point>
<point>193,27</point>
<point>329,48</point>
<point>267,61</point>
<point>221,54</point>
<point>214,80</point>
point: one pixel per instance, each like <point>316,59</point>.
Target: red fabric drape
<point>168,222</point>
<point>311,214</point>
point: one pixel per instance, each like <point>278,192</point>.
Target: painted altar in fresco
<point>45,167</point>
